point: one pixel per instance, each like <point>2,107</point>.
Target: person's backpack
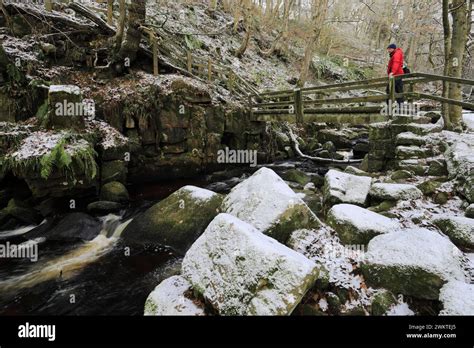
<point>406,69</point>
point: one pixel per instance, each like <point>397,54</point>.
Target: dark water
<point>95,277</point>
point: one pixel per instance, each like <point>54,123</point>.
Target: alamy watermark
<point>400,109</point>
<point>228,156</point>
<point>19,251</point>
<point>86,108</point>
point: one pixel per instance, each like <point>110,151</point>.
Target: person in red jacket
<point>395,68</point>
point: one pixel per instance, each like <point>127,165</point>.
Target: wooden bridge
<point>318,104</point>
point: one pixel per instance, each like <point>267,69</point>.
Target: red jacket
<point>395,65</point>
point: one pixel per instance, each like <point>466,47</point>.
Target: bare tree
<point>319,10</point>
<point>460,32</point>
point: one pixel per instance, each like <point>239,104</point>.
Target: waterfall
<point>71,263</point>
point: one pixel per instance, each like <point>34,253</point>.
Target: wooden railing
<point>307,103</point>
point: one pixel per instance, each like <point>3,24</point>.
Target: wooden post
<point>209,69</point>
<point>299,106</point>
<point>110,12</point>
<point>392,89</point>
<point>48,4</point>
<point>154,43</point>
<point>249,98</point>
<point>190,62</point>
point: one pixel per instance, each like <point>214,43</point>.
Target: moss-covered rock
<point>114,192</point>
<point>401,175</point>
<point>104,207</point>
<point>297,176</point>
<point>469,213</point>
<point>383,206</point>
<point>355,225</point>
<point>438,168</point>
<point>459,229</point>
<point>114,171</point>
<point>394,192</point>
<point>412,262</point>
<point>429,187</point>
<point>382,302</point>
<point>176,221</point>
<point>22,212</point>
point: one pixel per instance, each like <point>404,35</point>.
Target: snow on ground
<point>324,248</point>
<point>457,298</point>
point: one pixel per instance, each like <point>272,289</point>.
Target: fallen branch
<point>87,13</point>
<point>296,147</point>
<point>43,15</point>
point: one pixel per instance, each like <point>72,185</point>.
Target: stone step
<point>409,139</point>
<point>407,152</point>
<point>424,129</point>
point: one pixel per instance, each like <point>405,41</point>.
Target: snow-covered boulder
<point>460,162</point>
<point>415,262</point>
<point>394,192</point>
<point>356,225</point>
<point>241,271</point>
<point>342,187</point>
<point>265,201</point>
<point>176,221</point>
<point>457,298</point>
<point>169,298</point>
<point>458,228</point>
<point>470,211</point>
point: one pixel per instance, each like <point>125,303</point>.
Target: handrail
<point>299,102</point>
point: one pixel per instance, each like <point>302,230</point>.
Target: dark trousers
<point>398,89</point>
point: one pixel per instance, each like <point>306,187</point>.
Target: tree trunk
<point>447,49</point>
<point>459,39</point>
<point>133,35</point>
<point>248,28</point>
<point>318,14</point>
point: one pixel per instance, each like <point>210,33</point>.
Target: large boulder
<point>470,211</point>
<point>176,221</point>
<point>458,228</point>
<point>114,192</point>
<point>171,297</point>
<point>394,192</point>
<point>457,298</point>
<point>71,228</point>
<point>265,201</point>
<point>460,162</point>
<point>341,187</point>
<point>414,262</point>
<point>241,271</point>
<point>356,225</point>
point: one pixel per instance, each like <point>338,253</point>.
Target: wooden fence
<point>312,103</point>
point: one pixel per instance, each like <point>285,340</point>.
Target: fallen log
<point>44,16</point>
<point>296,147</point>
<point>87,13</point>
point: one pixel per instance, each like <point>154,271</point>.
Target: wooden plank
<point>190,61</point>
<point>299,106</point>
<point>344,110</point>
<point>447,78</point>
<point>354,119</point>
<point>468,106</point>
<point>48,5</point>
<point>209,69</point>
<point>154,44</point>
<point>110,12</point>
